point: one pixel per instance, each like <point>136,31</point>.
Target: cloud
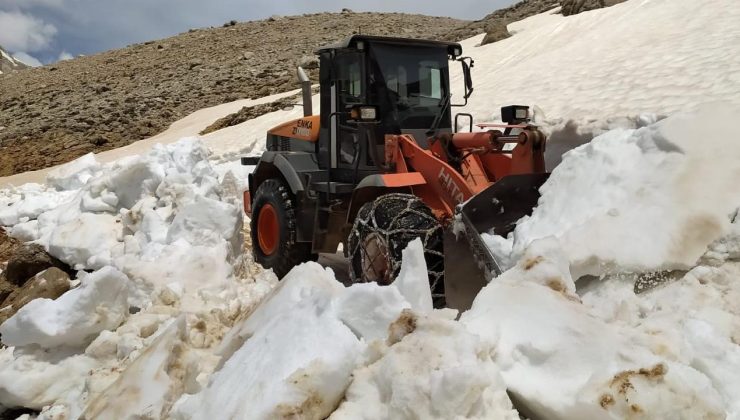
<point>22,32</point>
<point>27,59</point>
<point>64,55</point>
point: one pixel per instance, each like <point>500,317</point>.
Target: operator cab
<point>372,86</point>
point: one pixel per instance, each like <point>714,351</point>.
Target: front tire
<point>273,229</point>
<point>382,230</point>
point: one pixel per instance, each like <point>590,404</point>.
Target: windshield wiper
<point>432,132</point>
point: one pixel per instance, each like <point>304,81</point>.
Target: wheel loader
<point>383,164</point>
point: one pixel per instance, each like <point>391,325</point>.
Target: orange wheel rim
<point>268,229</point>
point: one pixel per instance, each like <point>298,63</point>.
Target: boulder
<point>309,62</point>
<point>495,31</point>
<point>28,260</point>
<point>573,7</point>
<point>50,284</point>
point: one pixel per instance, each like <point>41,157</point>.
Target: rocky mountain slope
<point>8,63</point>
<point>58,112</point>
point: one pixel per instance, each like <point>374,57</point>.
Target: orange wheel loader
<point>382,164</point>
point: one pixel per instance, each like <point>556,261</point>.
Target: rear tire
<point>382,230</point>
<point>273,229</point>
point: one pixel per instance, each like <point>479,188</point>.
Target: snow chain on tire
<point>396,220</point>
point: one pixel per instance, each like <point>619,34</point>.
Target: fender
<point>287,165</point>
<point>373,186</point>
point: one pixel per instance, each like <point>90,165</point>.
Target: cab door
<point>348,90</point>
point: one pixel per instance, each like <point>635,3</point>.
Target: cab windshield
<point>409,84</point>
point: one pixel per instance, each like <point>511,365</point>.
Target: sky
<point>44,31</point>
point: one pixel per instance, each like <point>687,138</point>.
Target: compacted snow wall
<point>640,200</point>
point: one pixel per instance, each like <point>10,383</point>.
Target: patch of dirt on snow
<point>403,326</point>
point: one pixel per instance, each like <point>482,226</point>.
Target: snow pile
<point>695,320</point>
<point>162,245</point>
<point>640,200</point>
<point>298,353</point>
<point>560,361</point>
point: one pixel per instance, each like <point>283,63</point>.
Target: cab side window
<point>350,78</point>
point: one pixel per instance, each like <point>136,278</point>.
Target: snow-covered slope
<point>8,63</point>
<point>173,321</point>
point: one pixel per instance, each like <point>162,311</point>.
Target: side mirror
<point>363,113</point>
<point>466,75</point>
<point>467,63</point>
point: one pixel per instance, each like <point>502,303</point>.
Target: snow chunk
<point>413,279</point>
<point>438,371</point>
<point>76,316</point>
<point>74,174</point>
<point>28,202</point>
<point>368,309</point>
<point>37,379</point>
<point>643,193</point>
<point>205,221</point>
<point>146,388</point>
<point>90,241</point>
<point>296,361</point>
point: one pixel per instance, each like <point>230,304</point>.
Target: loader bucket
<point>469,264</point>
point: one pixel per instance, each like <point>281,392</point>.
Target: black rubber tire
<point>290,252</point>
<point>398,219</point>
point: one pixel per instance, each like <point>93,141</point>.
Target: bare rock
<point>29,260</point>
<point>48,284</point>
<point>309,62</point>
<point>573,7</point>
<point>495,31</point>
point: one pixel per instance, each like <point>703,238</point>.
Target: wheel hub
<point>268,229</point>
<point>376,264</point>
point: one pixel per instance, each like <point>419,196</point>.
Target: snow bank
<point>164,248</point>
<point>640,200</point>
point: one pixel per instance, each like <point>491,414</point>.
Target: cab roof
<point>351,42</point>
